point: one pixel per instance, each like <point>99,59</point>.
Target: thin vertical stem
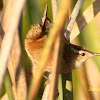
<point>73,18</point>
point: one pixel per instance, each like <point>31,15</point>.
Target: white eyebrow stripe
<point>80,52</point>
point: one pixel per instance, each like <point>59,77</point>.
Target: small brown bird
<point>73,56</point>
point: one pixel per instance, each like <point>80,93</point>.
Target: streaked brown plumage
<point>73,56</point>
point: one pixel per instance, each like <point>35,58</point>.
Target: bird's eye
<point>83,54</point>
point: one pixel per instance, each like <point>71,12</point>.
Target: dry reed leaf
<point>15,62</point>
<point>86,17</point>
<point>83,82</point>
<point>93,78</point>
<point>53,81</point>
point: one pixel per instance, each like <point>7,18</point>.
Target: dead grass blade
<point>86,17</point>
<point>9,22</point>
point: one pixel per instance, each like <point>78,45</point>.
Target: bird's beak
<point>96,54</point>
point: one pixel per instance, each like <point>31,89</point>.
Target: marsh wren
<point>73,55</point>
